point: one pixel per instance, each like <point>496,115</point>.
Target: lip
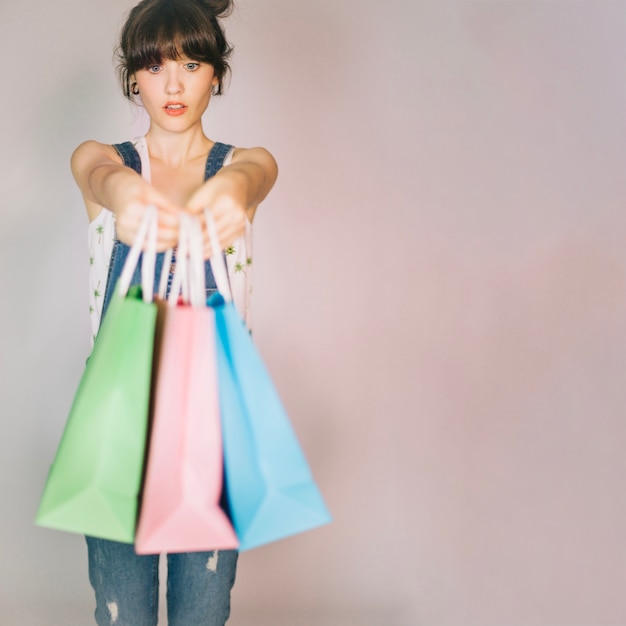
<point>175,112</point>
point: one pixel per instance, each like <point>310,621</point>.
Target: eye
<point>154,69</point>
<point>192,67</point>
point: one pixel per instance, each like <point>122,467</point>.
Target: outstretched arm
<point>234,193</point>
<point>104,181</point>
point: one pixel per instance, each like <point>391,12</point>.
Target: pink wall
<point>441,294</point>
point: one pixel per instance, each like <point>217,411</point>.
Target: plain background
<point>440,280</point>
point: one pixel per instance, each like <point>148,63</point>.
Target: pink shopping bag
<point>180,507</point>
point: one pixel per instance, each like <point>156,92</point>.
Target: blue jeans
<point>127,585</point>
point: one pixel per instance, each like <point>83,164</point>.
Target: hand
<point>224,195</point>
<point>129,209</point>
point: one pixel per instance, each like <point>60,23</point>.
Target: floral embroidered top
<point>101,236</point>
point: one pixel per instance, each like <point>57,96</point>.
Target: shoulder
<point>94,150</point>
<point>91,153</point>
<point>252,154</point>
<point>258,158</point>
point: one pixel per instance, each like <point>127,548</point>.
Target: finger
<point>167,240</point>
<point>207,251</point>
<point>225,241</point>
<point>167,230</point>
<point>229,227</point>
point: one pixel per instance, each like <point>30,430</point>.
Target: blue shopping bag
<point>270,491</point>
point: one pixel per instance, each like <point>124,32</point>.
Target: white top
<point>101,236</point>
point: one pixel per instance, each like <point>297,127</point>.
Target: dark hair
<point>158,29</point>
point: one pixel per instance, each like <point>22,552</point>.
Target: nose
<point>173,84</point>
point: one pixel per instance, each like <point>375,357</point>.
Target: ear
<point>132,84</point>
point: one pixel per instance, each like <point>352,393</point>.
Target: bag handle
<point>146,234</point>
<point>189,276</point>
<point>218,264</point>
<point>197,277</point>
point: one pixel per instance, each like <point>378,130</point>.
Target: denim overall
<point>127,585</point>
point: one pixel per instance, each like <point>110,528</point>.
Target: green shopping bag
<point>94,482</point>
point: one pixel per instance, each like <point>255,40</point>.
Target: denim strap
<point>215,160</point>
<point>129,155</point>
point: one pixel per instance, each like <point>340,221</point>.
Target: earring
<point>134,89</point>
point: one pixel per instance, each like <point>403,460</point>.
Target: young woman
<point>173,57</point>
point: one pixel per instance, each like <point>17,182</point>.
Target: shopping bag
<point>270,490</point>
<point>92,487</point>
<point>180,510</point>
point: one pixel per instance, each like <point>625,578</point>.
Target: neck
<point>176,149</point>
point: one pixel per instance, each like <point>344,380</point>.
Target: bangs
<point>171,37</point>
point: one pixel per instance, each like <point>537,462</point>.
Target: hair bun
<point>218,8</point>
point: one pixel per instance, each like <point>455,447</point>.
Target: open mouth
<point>175,108</point>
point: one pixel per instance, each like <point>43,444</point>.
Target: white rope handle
<point>218,265</point>
<point>197,278</point>
<point>189,274</point>
<point>179,282</point>
<point>146,233</point>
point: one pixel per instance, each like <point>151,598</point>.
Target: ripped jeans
<point>127,585</point>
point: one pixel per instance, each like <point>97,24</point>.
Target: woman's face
<point>176,93</point>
